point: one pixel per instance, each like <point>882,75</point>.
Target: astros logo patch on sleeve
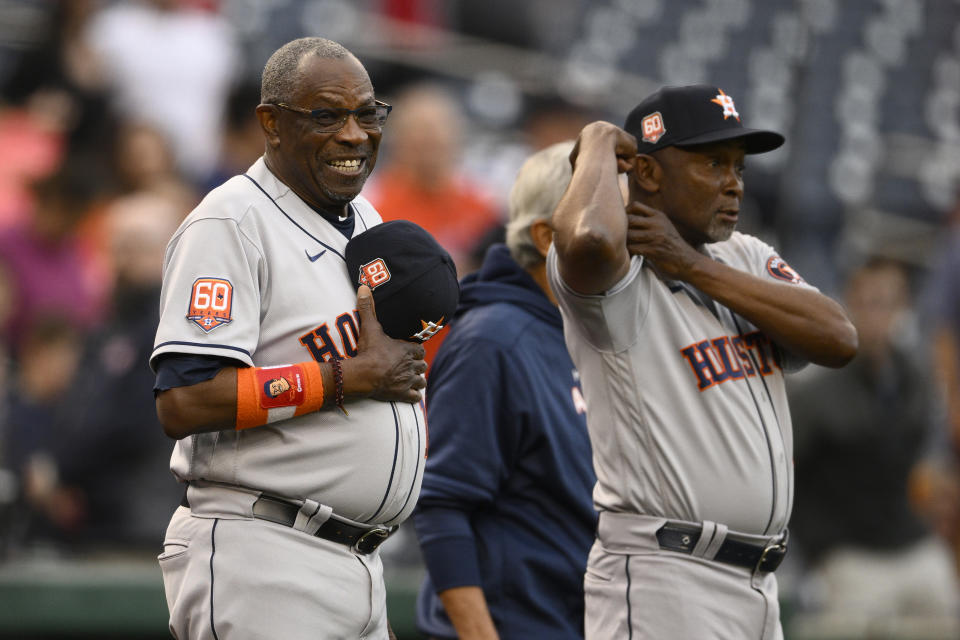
<point>780,270</point>
<point>211,302</point>
<point>374,273</point>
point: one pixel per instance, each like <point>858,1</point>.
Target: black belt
<point>360,539</point>
<point>759,557</point>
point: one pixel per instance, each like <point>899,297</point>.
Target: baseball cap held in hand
<point>413,279</point>
<point>692,115</point>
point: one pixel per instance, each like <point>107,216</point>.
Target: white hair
<point>537,190</point>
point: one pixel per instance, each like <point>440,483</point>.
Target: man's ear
<point>647,173</point>
<point>541,232</point>
<point>267,114</point>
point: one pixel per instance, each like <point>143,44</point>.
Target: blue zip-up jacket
<point>506,500</point>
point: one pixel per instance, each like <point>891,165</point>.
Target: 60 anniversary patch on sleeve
<point>211,303</point>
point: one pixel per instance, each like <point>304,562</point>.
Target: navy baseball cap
<point>692,115</point>
<point>413,278</point>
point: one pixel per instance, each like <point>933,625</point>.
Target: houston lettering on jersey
<point>323,347</point>
<point>730,358</point>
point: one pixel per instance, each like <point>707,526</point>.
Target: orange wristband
<point>270,394</point>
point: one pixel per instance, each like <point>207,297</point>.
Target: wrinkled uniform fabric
<point>256,275</point>
<point>688,417</point>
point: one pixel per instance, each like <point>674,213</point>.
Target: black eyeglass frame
<point>343,113</point>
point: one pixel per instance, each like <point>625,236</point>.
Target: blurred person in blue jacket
<point>39,513</point>
<point>505,518</point>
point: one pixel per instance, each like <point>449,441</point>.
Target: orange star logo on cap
<point>726,102</point>
<point>430,329</point>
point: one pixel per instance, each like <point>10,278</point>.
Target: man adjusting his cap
<point>682,329</point>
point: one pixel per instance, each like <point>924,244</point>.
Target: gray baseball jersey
<point>255,274</point>
<point>688,413</point>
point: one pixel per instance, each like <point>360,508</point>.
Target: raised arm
<point>589,222</point>
<point>383,369</point>
<point>806,322</point>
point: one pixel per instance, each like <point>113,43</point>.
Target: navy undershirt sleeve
<point>186,369</point>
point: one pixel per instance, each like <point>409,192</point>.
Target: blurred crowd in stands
<point>117,117</point>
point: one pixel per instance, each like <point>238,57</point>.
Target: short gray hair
<point>281,73</point>
<point>536,192</point>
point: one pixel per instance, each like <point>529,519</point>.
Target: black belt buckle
<point>370,540</point>
<point>772,555</point>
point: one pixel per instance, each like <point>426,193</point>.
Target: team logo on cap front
<point>211,302</point>
<point>374,273</point>
<point>652,127</point>
<point>726,102</point>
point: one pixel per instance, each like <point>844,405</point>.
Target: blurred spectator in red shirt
<point>420,178</point>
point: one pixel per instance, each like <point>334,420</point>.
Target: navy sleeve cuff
<point>184,370</point>
<point>448,546</point>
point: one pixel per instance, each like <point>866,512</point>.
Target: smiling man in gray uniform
<point>681,329</point>
<point>297,464</point>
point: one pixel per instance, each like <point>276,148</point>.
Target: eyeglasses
<point>330,120</point>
